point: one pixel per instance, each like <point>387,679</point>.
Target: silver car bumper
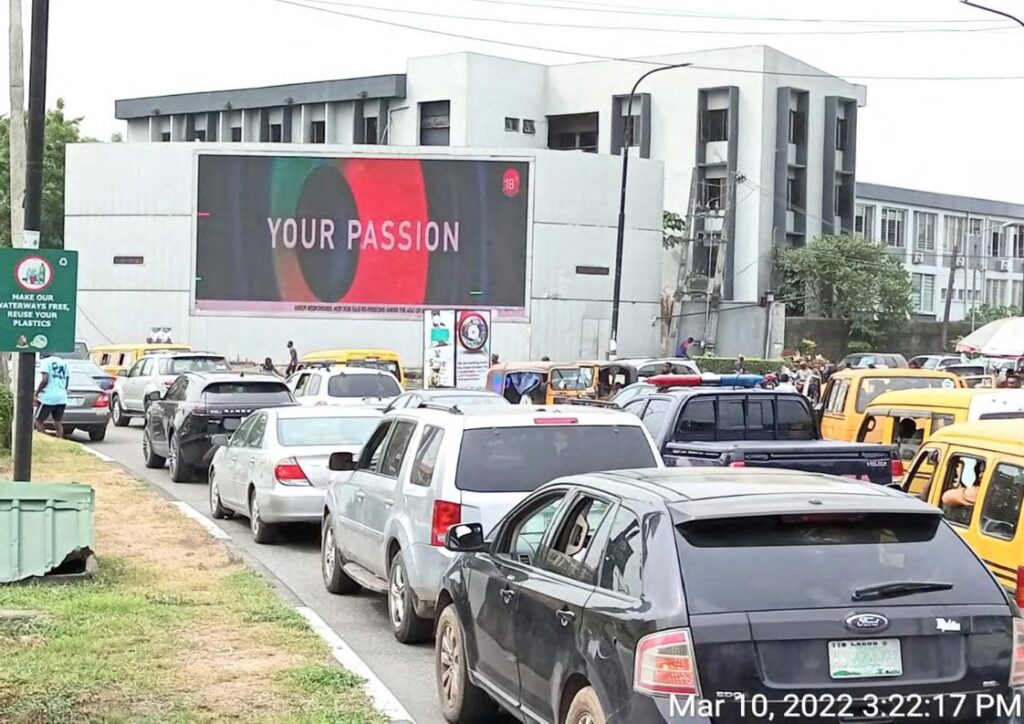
<point>291,504</point>
<point>425,566</point>
<point>85,417</point>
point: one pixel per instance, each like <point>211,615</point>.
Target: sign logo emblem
<point>473,332</point>
<point>511,184</point>
<point>873,622</point>
<point>33,274</point>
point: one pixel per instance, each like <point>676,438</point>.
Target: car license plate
<point>76,401</point>
<point>864,658</point>
<point>231,423</point>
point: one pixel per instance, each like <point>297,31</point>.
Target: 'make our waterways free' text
<point>33,310</point>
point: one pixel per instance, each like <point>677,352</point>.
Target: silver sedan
<point>274,469</point>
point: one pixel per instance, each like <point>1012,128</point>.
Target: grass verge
<point>170,630</point>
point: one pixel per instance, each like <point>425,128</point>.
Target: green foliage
<point>723,365</point>
<point>60,131</point>
<point>6,416</point>
<point>807,347</point>
<point>672,234</point>
<point>990,313</point>
<point>852,278</point>
<point>858,347</point>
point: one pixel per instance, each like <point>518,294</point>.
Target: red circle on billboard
<point>510,184</point>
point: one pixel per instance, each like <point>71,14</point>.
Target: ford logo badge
<point>872,622</point>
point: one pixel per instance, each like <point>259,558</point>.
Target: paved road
<point>360,620</point>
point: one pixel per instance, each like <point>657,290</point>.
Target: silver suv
<point>151,376</point>
<point>425,470</point>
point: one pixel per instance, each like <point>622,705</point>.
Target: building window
<point>201,135</point>
<point>1018,286</point>
<point>797,127</point>
<point>842,133</point>
<point>997,244</point>
<point>995,292</point>
<point>714,193</point>
<point>435,123</point>
<point>714,125</point>
<point>631,128</point>
<point>276,132</point>
<point>370,131</point>
<point>924,230</point>
<point>529,126</point>
<point>956,227</point>
<point>575,132</point>
<point>318,132</point>
<point>894,222</point>
<point>864,221</point>
<point>795,194</point>
<point>165,136</point>
<point>512,125</point>
<point>1017,236</point>
<point>236,134</point>
<point>922,294</point>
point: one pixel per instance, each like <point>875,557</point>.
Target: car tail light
<point>555,421</point>
<point>897,469</point>
<point>1017,662</point>
<point>289,472</point>
<point>445,516</point>
<point>102,401</point>
<point>737,464</point>
<point>1018,594</point>
<point>665,664</point>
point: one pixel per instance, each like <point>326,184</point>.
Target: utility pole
<point>33,222</point>
<point>949,294</point>
<point>16,63</point>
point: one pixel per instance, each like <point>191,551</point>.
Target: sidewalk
<point>172,629</point>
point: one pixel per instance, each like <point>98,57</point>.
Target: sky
<point>954,136</point>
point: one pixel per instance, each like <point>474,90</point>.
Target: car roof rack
<point>454,409</point>
<point>586,402</point>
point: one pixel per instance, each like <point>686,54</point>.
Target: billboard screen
<point>322,234</point>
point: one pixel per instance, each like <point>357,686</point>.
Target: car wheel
<point>462,702</point>
<point>181,472</point>
<point>117,413</point>
<point>262,532</point>
<point>405,624</point>
<point>335,578</point>
<point>585,708</point>
<point>217,509</point>
<point>98,434</point>
<point>151,459</point>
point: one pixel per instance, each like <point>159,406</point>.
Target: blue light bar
<point>747,381</point>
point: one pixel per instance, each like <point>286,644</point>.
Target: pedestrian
<point>683,350</point>
<point>784,384</point>
<point>268,366</point>
<point>293,360</point>
<point>494,359</point>
<point>740,365</point>
<point>52,394</point>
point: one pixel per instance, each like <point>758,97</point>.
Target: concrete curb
<point>384,701</point>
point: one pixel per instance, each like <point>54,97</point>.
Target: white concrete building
<point>760,143</point>
<point>977,241</point>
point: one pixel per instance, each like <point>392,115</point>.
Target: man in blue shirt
<point>52,394</point>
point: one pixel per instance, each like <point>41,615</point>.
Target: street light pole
<point>1019,22</point>
<point>621,233</point>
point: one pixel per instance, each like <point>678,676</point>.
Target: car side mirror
<point>465,538</point>
<point>122,373</point>
<point>342,461</point>
<point>219,440</point>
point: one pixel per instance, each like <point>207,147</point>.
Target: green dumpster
<point>44,528</point>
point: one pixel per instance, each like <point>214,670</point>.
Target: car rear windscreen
<point>519,459</point>
<point>466,400</point>
<point>363,386</point>
<point>181,365</point>
<point>248,392</point>
<point>748,564</point>
<point>309,431</point>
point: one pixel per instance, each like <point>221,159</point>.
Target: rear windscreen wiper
<point>898,588</point>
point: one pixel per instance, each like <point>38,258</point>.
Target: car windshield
<point>355,385</point>
<point>251,392</point>
<point>309,431</point>
<point>836,554</point>
<point>85,367</point>
<point>181,365</point>
<point>872,387</point>
<point>519,459</point>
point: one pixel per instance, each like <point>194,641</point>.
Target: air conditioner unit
<point>1004,265</point>
<point>918,258</point>
<point>960,264</point>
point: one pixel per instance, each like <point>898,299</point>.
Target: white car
<point>151,376</point>
<point>274,468</point>
<point>339,385</point>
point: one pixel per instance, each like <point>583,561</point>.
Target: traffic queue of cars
<point>587,563</point>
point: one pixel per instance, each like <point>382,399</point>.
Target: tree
<point>673,227</point>
<point>60,131</point>
<point>852,278</point>
<point>990,313</point>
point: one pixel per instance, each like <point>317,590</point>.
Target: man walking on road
<point>293,360</point>
<point>683,350</point>
<point>52,394</point>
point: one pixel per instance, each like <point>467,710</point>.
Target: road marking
<point>210,527</point>
<point>105,458</point>
<point>386,702</point>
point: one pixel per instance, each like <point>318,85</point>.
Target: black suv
<point>179,426</point>
<point>729,595</point>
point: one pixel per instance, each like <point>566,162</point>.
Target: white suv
<point>343,385</point>
<point>150,377</point>
<point>425,470</point>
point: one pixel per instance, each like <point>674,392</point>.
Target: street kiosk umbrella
<point>1001,338</point>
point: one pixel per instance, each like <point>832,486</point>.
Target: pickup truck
<point>754,428</point>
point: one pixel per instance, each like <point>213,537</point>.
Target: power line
<point>654,29</point>
<point>595,56</point>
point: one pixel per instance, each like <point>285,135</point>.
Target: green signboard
<point>38,289</point>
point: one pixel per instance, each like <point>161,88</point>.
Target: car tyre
<point>586,708</point>
<point>407,627</point>
<point>335,579</point>
<point>217,509</point>
<point>462,702</point>
<point>262,532</point>
<point>150,458</point>
<point>117,414</point>
<point>181,472</point>
<point>98,434</point>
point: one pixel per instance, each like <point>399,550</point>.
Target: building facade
<point>975,244</point>
<point>759,148</point>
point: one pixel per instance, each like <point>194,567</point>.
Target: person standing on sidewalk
<point>52,394</point>
<point>293,360</point>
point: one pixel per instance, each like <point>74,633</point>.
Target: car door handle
<point>506,594</point>
<point>359,495</point>
<point>388,502</point>
<point>565,616</point>
<point>251,463</point>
